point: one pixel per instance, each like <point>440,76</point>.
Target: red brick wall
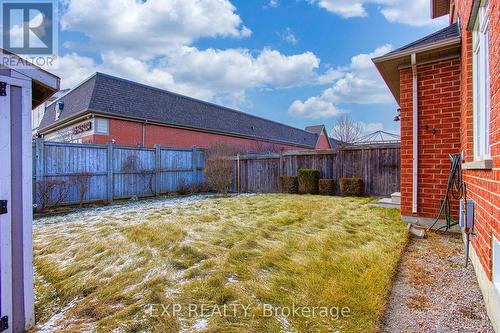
<point>129,133</point>
<point>483,185</point>
<point>125,133</point>
<point>439,109</point>
<point>323,142</point>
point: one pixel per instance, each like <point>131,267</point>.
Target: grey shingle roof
<point>316,129</point>
<point>75,101</point>
<point>443,34</point>
<point>334,142</point>
<point>111,95</point>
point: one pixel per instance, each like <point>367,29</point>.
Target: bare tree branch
<point>82,183</point>
<point>346,130</point>
<point>219,167</point>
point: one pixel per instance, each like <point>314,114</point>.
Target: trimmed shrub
<point>308,181</point>
<point>51,192</point>
<point>352,186</point>
<point>219,166</point>
<point>289,184</point>
<point>326,187</point>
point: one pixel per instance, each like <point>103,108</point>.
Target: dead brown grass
<point>418,302</point>
<point>252,250</point>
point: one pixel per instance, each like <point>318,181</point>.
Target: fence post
<point>39,169</point>
<point>194,166</point>
<point>110,180</point>
<point>281,164</point>
<point>157,169</point>
<point>238,174</point>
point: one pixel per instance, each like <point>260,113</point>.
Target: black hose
<point>455,189</point>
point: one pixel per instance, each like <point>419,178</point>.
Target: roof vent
<point>59,109</point>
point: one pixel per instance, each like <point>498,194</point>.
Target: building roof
<point>439,8</point>
<point>107,95</point>
<point>316,129</point>
<point>378,137</point>
<point>321,129</point>
<point>334,142</point>
<point>451,31</point>
<point>444,43</point>
<point>44,84</point>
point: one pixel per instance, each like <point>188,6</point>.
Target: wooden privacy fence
<point>378,166</point>
<point>113,172</point>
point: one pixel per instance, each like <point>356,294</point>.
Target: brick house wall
<point>130,133</point>
<point>482,185</point>
<point>127,133</point>
<point>445,93</point>
<point>438,133</point>
<point>323,142</point>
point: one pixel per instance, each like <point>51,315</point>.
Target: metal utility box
<point>466,215</point>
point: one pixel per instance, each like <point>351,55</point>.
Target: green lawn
<point>176,266</point>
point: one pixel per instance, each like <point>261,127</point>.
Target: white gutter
<point>415,132</point>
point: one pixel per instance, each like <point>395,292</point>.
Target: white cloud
<point>331,75</point>
<point>313,108</point>
<point>217,75</point>
<point>151,42</point>
<point>413,12</point>
<point>273,3</point>
<point>368,128</point>
<point>237,68</point>
<point>224,76</point>
<point>73,69</point>
<point>357,83</point>
<point>147,28</point>
<point>361,82</point>
<point>288,36</point>
<point>344,8</point>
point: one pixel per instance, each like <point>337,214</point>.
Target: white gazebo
<point>23,86</point>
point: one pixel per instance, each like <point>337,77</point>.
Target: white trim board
<point>27,172</point>
<point>6,191</point>
<point>31,71</point>
<point>491,295</point>
<point>5,194</point>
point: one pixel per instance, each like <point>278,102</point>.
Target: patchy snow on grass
<point>204,249</point>
<point>200,324</point>
<point>54,323</point>
<point>121,212</point>
<point>232,279</point>
<point>285,324</point>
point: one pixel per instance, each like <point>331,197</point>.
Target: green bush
<point>326,187</point>
<point>308,181</point>
<point>352,186</point>
<point>289,184</point>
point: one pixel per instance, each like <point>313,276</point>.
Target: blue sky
<point>300,62</point>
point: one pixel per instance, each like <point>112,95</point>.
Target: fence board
<point>379,167</point>
<point>115,171</point>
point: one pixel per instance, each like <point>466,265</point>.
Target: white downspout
<point>415,133</point>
